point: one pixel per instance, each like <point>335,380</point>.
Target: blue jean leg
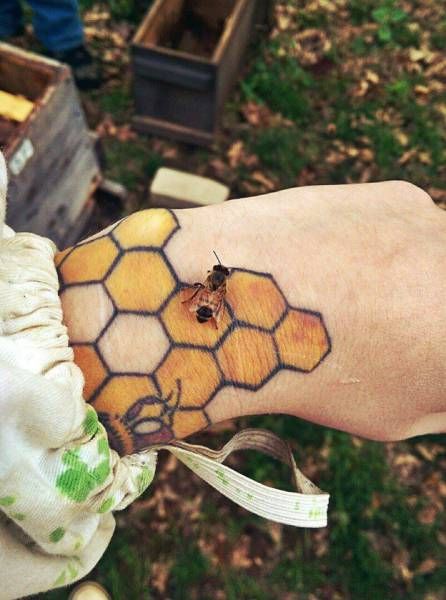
<point>10,17</point>
<point>57,24</point>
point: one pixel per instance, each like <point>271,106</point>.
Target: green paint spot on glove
<point>90,423</point>
<point>60,580</point>
<point>77,481</point>
<point>103,447</point>
<point>72,571</point>
<point>144,479</point>
<point>57,534</point>
<point>18,516</point>
<point>7,500</point>
<point>106,505</point>
<point>78,543</point>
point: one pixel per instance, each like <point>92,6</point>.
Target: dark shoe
<point>86,72</point>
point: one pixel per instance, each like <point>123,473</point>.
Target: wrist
<point>353,264</point>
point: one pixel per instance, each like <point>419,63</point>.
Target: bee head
<point>218,276</point>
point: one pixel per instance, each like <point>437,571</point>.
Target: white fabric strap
<point>305,508</point>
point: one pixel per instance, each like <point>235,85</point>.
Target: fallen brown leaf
<point>311,45</point>
<point>441,537</point>
<point>219,167</point>
<point>235,153</point>
<point>427,515</point>
<point>240,554</point>
<point>427,566</point>
<point>125,133</point>
<point>160,575</point>
<point>426,452</point>
<point>400,561</point>
<point>266,183</point>
<point>406,156</point>
<point>257,115</point>
<point>275,530</point>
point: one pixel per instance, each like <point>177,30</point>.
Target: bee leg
<point>199,286</point>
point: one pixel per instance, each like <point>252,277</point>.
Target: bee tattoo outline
<point>207,301</point>
<point>161,424</point>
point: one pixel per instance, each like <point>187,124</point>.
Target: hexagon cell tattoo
<point>143,399</point>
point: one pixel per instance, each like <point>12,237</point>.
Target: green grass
<point>316,116</point>
<point>189,571</point>
<point>131,163</point>
<point>117,102</point>
<point>239,586</point>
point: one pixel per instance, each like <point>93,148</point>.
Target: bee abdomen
<point>204,313</point>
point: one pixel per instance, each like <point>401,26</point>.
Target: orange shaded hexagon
<point>188,422</point>
<point>89,262</point>
<point>302,340</point>
<point>149,227</point>
<point>247,356</point>
<point>183,326</point>
<point>92,368</point>
<point>255,298</point>
<point>195,370</point>
<point>140,281</point>
<point>58,258</point>
<point>120,394</point>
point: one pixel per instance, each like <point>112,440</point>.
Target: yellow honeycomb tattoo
<point>142,399</point>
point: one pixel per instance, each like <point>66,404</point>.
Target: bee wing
<point>196,300</point>
<point>219,312</point>
<point>197,287</point>
<point>220,308</point>
<point>195,304</point>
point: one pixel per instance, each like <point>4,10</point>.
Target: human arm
<point>340,320</point>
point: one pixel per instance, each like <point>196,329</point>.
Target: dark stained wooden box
<point>185,57</point>
<point>52,165</point>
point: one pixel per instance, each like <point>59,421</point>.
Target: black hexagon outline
<point>235,323</point>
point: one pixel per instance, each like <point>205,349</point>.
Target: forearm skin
<point>316,322</point>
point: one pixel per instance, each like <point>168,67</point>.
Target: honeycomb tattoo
<point>150,399</point>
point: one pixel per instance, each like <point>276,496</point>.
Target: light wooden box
<point>52,164</point>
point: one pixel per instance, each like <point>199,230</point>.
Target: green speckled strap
<point>307,507</point>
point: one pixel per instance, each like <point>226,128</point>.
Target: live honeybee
<point>207,301</point>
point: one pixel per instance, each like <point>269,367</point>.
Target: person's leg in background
<point>10,18</point>
<point>58,26</point>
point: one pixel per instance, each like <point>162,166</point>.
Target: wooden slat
<point>172,130</point>
<point>25,73</point>
<point>49,192</point>
<point>232,49</point>
<point>160,20</point>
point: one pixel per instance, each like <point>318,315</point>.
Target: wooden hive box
<point>185,57</point>
<point>53,169</point>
